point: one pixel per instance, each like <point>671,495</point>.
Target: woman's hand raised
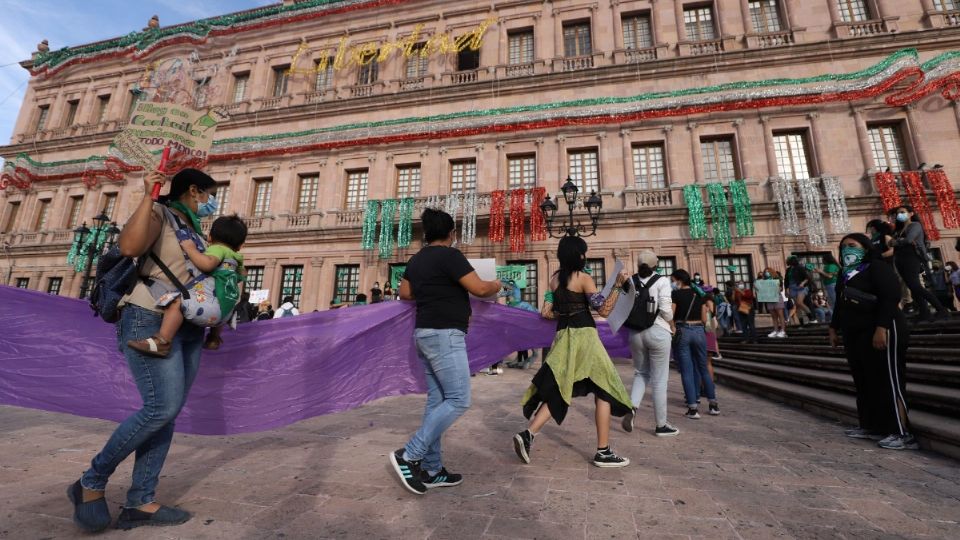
<point>153,177</point>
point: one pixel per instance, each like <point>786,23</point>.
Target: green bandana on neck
<point>194,219</point>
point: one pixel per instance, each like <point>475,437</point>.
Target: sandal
<point>152,346</point>
<point>212,343</point>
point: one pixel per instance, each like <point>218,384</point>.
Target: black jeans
<point>909,268</point>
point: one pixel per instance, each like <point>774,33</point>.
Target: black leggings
<point>909,268</point>
<point>879,379</point>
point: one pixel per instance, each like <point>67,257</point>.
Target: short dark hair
<point>361,297</point>
<point>229,230</point>
<point>287,299</point>
<point>183,180</point>
<point>682,276</point>
<point>437,224</point>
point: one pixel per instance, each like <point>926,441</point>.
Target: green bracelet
<point>548,296</point>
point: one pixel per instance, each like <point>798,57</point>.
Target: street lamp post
<point>81,233</point>
<point>570,227</point>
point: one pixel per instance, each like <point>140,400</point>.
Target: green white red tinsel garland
<point>388,210</point>
<point>719,216</point>
<point>696,219</point>
<point>741,208</point>
<point>369,224</point>
<point>405,227</point>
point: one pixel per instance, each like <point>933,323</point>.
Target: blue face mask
<point>902,218</point>
<point>208,208</point>
<point>673,285</point>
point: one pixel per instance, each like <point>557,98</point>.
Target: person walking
<point>577,363</point>
<point>873,331</point>
<point>910,256</point>
<point>690,347</point>
<point>438,278</point>
<point>650,336</point>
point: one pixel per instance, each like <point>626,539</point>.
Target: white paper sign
<point>622,309</point>
<point>617,268</point>
<point>487,271</point>
<point>260,295</point>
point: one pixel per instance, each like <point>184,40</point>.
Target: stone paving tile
<point>760,470</point>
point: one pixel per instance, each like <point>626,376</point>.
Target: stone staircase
<point>803,370</point>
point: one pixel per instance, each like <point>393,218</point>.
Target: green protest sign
<point>515,272</point>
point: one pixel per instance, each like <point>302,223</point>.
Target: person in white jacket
<point>286,309</point>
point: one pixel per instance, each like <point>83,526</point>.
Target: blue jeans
<point>691,357</point>
<point>163,384</point>
<point>831,289</point>
<point>444,356</point>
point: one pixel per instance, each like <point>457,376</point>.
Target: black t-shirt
<point>434,274</point>
<point>683,298</point>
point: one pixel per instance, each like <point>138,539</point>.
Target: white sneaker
<point>781,334</point>
<point>499,371</point>
<point>773,334</point>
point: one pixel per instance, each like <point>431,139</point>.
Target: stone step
<point>916,340</point>
<point>940,433</point>
<point>930,355</point>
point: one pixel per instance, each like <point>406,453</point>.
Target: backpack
<point>116,277</point>
<point>287,313</point>
<point>644,311</point>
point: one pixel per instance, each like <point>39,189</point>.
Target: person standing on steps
<point>438,278</point>
<point>910,255</point>
<point>830,273</point>
<point>650,336</point>
<point>873,331</point>
<point>798,287</point>
<point>690,346</point>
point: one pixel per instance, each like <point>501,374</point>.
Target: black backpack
<point>644,312</point>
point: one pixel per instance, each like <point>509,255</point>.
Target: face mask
<point>208,208</point>
<point>740,286</point>
<point>902,218</point>
<point>673,285</point>
<point>852,256</point>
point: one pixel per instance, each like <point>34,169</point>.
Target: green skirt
<point>577,365</point>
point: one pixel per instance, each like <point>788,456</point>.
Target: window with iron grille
<point>71,117</point>
<point>946,5</point>
<point>42,117</point>
<point>522,172</point>
<point>637,32</point>
<point>307,193</point>
<point>53,286</point>
<point>408,181</point>
<point>223,199</point>
<point>648,167</point>
<point>73,218</point>
<point>357,188</point>
<point>698,23</point>
<point>263,190</point>
<point>280,79</point>
<point>733,268</point>
<point>110,204</point>
<point>853,10</point>
<point>531,292</point>
<point>791,152</point>
<point>13,209</point>
<point>369,71</point>
<point>666,265</point>
<point>43,213</point>
<point>103,107</point>
<point>324,75</point>
<point>23,283</point>
<point>463,175</point>
<point>136,96</point>
<point>520,46</point>
<point>576,39</point>
<point>291,284</point>
<point>254,280</point>
<point>346,283</point>
<point>718,159</point>
<point>765,16</point>
<point>886,143</point>
<point>584,169</point>
<point>598,270</point>
<point>417,64</point>
<point>240,81</point>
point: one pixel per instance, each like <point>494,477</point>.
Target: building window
<point>530,293</point>
<point>43,213</point>
<point>698,23</point>
<point>718,162</point>
<point>291,284</point>
<point>13,210</point>
<point>637,33</point>
<point>584,169</point>
<point>281,76</point>
<point>103,106</point>
<point>71,117</point>
<point>357,188</point>
<point>734,268</point>
<point>223,199</point>
<point>324,75</point>
<point>520,46</point>
<point>576,39</point>
<point>522,172</point>
<point>240,81</point>
<point>765,16</point>
<point>53,286</point>
<point>201,88</point>
<point>791,152</point>
<point>408,181</point>
<point>598,270</point>
<point>648,169</point>
<point>110,204</point>
<point>346,284</point>
<point>136,97</point>
<point>417,64</point>
<point>818,260</point>
<point>73,218</point>
<point>946,5</point>
<point>853,10</point>
<point>254,280</point>
<point>263,190</point>
<point>886,143</point>
<point>666,265</point>
<point>468,59</point>
<point>307,194</point>
<point>370,70</point>
<point>463,175</point>
<point>42,117</point>
<point>23,283</point>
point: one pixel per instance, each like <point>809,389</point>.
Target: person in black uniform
<point>875,338</point>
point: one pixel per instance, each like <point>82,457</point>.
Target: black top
<point>880,243</point>
<point>687,301</point>
<point>434,274</point>
<point>572,309</point>
<point>797,275</point>
<point>876,279</point>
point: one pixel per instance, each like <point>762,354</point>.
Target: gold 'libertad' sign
<point>361,55</point>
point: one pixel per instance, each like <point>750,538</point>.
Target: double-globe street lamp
<point>569,227</point>
<point>82,234</point>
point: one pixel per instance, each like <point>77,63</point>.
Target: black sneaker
<point>860,433</point>
<point>409,473</point>
<point>521,443</point>
<point>692,413</point>
<point>92,516</point>
<point>131,518</point>
<point>714,409</point>
<point>608,459</point>
<point>628,420</point>
<point>666,430</point>
<point>443,479</point>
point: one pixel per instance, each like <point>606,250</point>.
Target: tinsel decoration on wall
<point>836,205</point>
<point>468,230</point>
<point>913,185</point>
<point>946,197</point>
<point>498,201</point>
<point>405,227</point>
<point>886,184</point>
<point>742,208</point>
<point>719,215</point>
<point>696,219</point>
<point>783,192</point>
<point>517,212</point>
<point>89,247</point>
<point>538,222</point>
<point>812,212</point>
<point>369,235</point>
<point>387,212</point>
<point>451,205</point>
<point>74,251</point>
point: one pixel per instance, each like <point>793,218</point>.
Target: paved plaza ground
<point>760,470</point>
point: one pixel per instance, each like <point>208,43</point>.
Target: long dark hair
<point>901,224</point>
<point>183,180</point>
<point>880,226</point>
<point>572,254</point>
<point>872,252</point>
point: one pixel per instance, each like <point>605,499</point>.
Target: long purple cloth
<point>55,356</point>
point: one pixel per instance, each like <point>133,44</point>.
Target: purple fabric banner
<point>55,356</point>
